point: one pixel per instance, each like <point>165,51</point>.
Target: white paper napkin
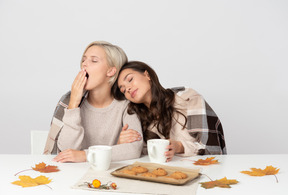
<point>135,186</point>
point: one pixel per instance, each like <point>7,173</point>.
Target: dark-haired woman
<point>180,115</point>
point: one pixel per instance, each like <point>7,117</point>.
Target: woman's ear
<point>111,71</point>
<point>147,75</point>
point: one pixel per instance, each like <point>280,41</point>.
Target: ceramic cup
<point>99,157</point>
<point>156,150</point>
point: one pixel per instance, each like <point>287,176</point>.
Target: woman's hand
<point>175,147</point>
<point>77,89</point>
<point>128,135</point>
<point>71,155</point>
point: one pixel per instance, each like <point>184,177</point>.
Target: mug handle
<point>151,151</point>
<point>89,157</point>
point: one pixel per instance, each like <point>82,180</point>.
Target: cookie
<point>160,172</point>
<point>139,169</point>
<point>178,175</point>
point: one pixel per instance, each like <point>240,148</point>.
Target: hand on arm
<point>71,156</point>
<point>77,89</point>
<point>175,147</point>
<point>128,135</point>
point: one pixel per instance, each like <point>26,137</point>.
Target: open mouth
<point>87,75</point>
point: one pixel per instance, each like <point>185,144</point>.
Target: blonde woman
<point>95,118</point>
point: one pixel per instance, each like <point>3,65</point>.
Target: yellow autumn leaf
<point>27,181</point>
<point>42,180</point>
<point>269,170</point>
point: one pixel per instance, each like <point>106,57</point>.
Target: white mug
<point>156,150</point>
<point>99,157</point>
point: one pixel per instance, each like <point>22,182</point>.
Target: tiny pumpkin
<point>96,183</point>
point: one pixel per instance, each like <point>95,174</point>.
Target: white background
<point>232,52</point>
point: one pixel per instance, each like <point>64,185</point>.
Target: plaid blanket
<point>57,124</point>
<point>202,122</point>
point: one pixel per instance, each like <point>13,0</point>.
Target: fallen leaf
<point>207,161</point>
<point>221,183</point>
<point>41,167</point>
<point>27,181</point>
<point>269,170</point>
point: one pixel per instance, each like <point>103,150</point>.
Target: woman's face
<point>135,86</point>
<point>96,65</point>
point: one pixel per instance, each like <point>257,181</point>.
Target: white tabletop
<point>230,167</point>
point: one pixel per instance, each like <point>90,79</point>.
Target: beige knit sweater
<point>87,126</point>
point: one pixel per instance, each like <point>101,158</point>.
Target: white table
<point>230,166</point>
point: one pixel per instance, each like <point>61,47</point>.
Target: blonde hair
<point>116,57</point>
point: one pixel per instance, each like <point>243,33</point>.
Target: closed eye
<point>121,89</point>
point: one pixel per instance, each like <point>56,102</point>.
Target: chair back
<point>38,141</point>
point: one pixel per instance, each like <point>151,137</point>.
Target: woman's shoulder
<point>187,92</point>
<point>188,98</point>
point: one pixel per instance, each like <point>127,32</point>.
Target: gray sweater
<point>87,126</point>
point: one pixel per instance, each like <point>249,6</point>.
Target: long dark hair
<point>161,108</point>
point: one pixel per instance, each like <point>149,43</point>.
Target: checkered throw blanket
<point>202,122</point>
<point>57,124</point>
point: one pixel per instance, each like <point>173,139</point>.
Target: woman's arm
<point>130,150</point>
<point>72,133</point>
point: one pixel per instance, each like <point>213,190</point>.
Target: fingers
<point>129,136</point>
<point>125,127</point>
<point>70,156</point>
<point>77,89</point>
<point>171,152</point>
<point>62,157</point>
<point>169,155</point>
<point>80,80</point>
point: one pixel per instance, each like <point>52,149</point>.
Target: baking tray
<point>191,173</point>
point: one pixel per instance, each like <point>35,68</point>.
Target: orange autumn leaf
<point>41,167</point>
<point>221,183</point>
<point>269,170</point>
<point>207,161</point>
<point>27,181</point>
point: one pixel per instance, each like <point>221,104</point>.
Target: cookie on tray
<point>139,169</point>
<point>178,175</point>
<point>160,172</point>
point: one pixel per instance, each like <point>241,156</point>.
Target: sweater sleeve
<point>190,103</point>
<point>191,146</point>
<point>72,133</point>
<point>129,150</point>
